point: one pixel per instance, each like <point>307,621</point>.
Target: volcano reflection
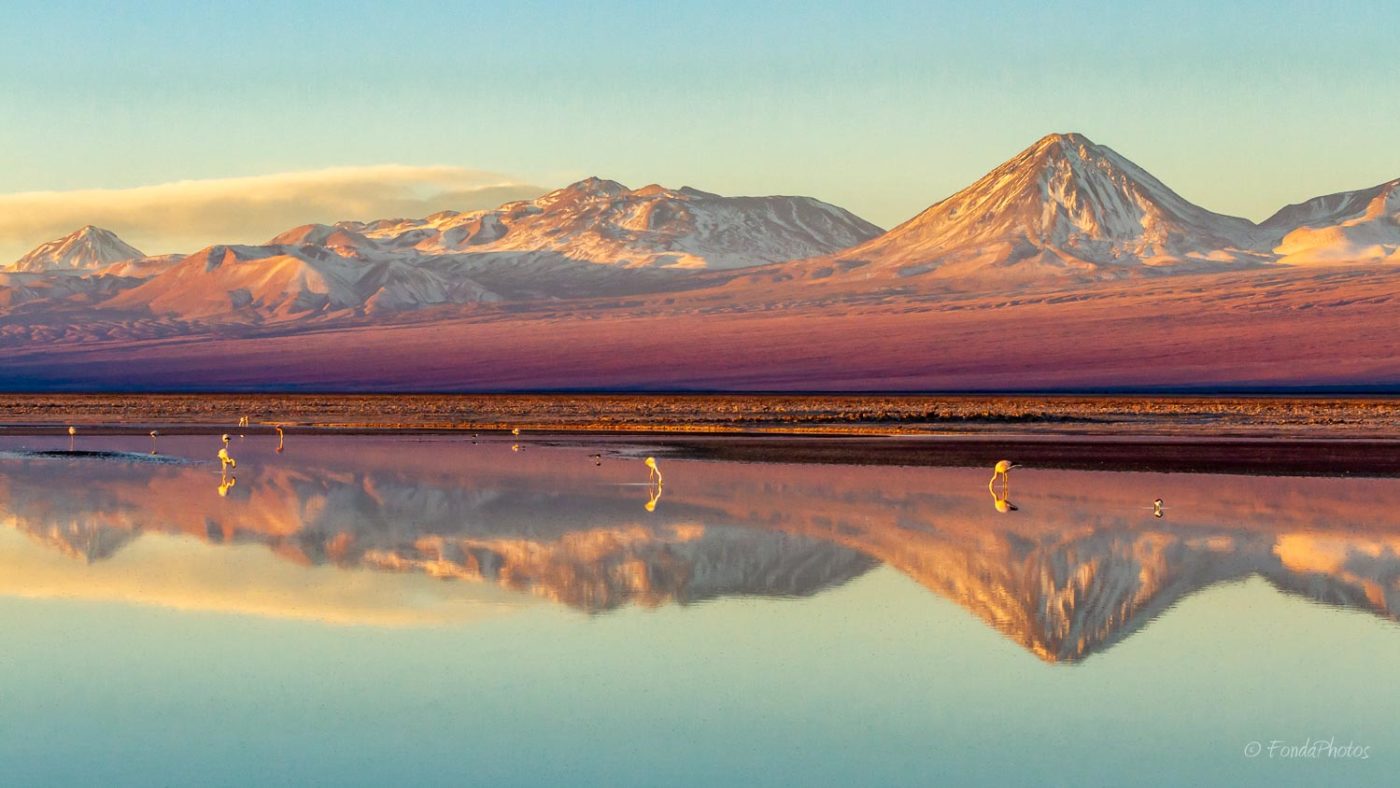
<point>1083,564</point>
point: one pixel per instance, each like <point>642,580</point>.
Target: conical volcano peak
<point>1064,204</point>
<point>85,249</point>
<point>1073,156</point>
<point>1067,139</point>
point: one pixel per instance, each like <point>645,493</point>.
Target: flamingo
<point>1157,510</point>
<point>278,427</point>
<point>225,461</point>
<point>154,434</point>
<point>654,472</point>
<point>72,436</point>
<point>514,430</point>
<point>1003,469</point>
<point>597,459</point>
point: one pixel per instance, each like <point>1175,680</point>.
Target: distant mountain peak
<point>596,187</point>
<point>601,221</point>
<point>333,236</point>
<point>1065,203</point>
<point>1329,208</point>
<point>1070,138</point>
<point>691,191</point>
<point>86,249</point>
<point>1361,226</point>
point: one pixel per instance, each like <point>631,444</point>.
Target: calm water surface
<point>392,610</point>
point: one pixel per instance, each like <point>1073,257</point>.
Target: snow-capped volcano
<point>1348,227</point>
<point>86,249</point>
<point>602,221</point>
<point>1063,204</point>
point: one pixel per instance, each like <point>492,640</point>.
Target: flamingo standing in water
<point>72,436</point>
<point>1002,470</point>
<point>154,434</point>
<point>278,427</point>
<point>653,475</point>
<point>226,461</point>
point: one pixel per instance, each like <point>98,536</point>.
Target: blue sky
<point>881,108</point>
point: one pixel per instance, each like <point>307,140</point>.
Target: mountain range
<point>1066,222</point>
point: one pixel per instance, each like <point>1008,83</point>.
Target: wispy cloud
<point>187,215</point>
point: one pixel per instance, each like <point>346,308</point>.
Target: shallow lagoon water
<point>429,610</point>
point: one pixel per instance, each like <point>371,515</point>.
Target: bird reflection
<point>655,496</point>
<point>1157,510</point>
<point>226,483</point>
<point>999,501</point>
<point>278,427</point>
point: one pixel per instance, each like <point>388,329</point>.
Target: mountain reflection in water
<point>1081,565</point>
